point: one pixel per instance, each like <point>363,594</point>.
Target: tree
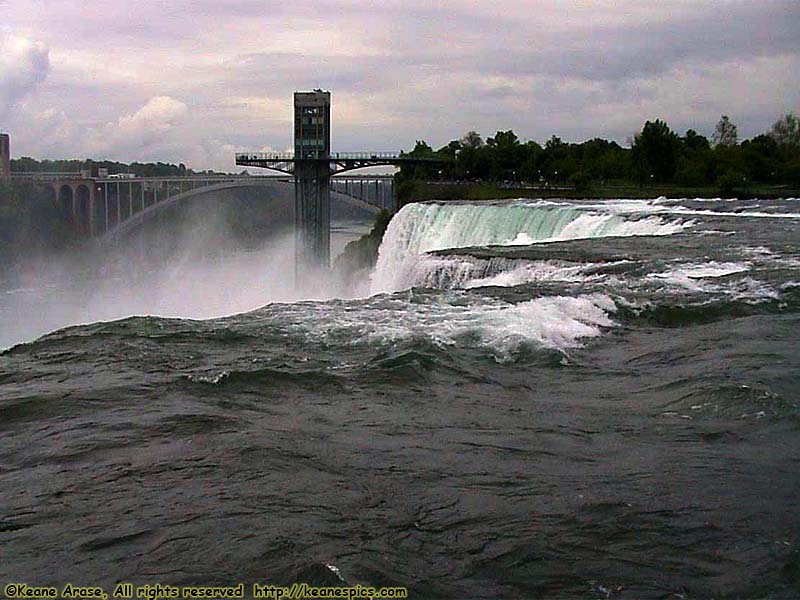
<point>503,139</point>
<point>653,152</point>
<point>531,168</point>
<point>508,153</point>
<point>421,149</point>
<point>725,133</point>
<point>553,143</point>
<point>580,180</point>
<point>786,131</point>
<point>694,141</point>
<point>761,157</point>
<point>452,149</point>
<point>729,182</point>
<point>472,139</point>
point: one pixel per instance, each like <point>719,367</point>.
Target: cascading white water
<point>463,272</point>
<point>424,227</point>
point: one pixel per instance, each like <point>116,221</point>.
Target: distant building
<point>5,156</point>
<point>90,170</point>
<point>312,124</point>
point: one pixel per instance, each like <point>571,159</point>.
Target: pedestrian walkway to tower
<point>312,165</point>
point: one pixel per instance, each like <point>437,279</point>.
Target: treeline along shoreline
<point>658,162</point>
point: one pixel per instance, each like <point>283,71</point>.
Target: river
<point>529,399</point>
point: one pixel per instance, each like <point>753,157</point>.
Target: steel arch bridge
<point>108,207</point>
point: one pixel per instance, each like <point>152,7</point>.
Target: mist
<point>195,266</point>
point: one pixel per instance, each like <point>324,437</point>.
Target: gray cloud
<point>741,32</point>
<point>399,70</point>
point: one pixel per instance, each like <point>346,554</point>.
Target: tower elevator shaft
<point>312,215</point>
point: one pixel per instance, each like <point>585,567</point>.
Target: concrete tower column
<point>5,156</point>
<point>312,214</point>
<point>312,176</point>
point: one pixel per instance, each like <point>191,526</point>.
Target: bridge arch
<point>152,211</point>
<point>66,201</point>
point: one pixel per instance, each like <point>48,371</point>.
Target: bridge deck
<point>339,161</point>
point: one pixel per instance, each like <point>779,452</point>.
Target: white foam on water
<point>752,290</point>
<point>593,225</point>
<point>558,322</point>
<point>687,276</point>
<point>766,257</point>
<point>705,278</point>
<point>789,262</point>
<point>679,210</point>
<point>209,378</point>
<point>703,270</point>
<point>460,272</point>
<point>522,239</point>
<point>664,206</point>
<point>502,328</point>
<point>537,271</point>
<point>336,571</point>
<point>757,251</point>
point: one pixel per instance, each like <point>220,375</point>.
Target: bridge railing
<point>275,156</point>
<point>137,179</point>
<point>372,177</point>
<point>364,155</point>
<point>44,175</point>
<point>289,156</point>
<point>184,178</point>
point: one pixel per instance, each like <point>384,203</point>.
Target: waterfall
<point>424,227</point>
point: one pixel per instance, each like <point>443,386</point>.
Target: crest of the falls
<point>425,227</point>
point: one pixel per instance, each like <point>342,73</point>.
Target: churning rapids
<point>533,400</point>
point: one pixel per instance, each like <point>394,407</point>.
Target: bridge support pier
<point>312,216</point>
<point>105,199</point>
<point>91,209</point>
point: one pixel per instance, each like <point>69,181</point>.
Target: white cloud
<point>24,64</point>
<point>159,115</point>
<point>133,136</point>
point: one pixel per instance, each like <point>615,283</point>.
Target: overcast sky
<point>196,80</point>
